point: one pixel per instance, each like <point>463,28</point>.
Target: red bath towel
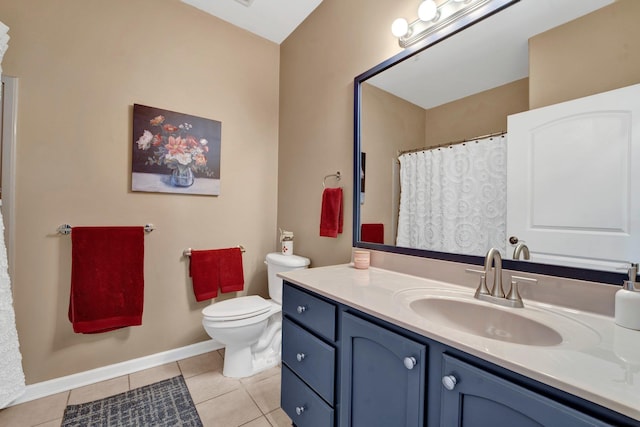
<point>107,278</point>
<point>216,268</point>
<point>372,233</point>
<point>331,216</point>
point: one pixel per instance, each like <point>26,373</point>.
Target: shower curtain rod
<point>462,141</point>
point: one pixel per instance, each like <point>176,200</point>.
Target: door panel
<point>573,177</point>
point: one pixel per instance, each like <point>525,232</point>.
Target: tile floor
<point>220,401</point>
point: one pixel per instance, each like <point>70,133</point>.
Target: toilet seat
<point>237,308</point>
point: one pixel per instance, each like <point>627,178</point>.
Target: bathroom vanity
<point>379,348</point>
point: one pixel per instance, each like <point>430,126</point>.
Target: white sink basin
<point>532,325</point>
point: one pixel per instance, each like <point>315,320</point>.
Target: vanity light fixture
<point>432,16</point>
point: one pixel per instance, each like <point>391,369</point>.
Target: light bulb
<point>427,10</point>
<point>400,27</point>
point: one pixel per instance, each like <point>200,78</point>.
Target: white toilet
<point>250,327</point>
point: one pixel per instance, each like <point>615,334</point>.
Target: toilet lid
<point>237,308</point>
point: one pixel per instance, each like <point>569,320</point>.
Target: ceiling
<point>488,54</point>
<point>271,19</point>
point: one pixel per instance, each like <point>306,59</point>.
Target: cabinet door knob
<point>299,410</point>
<point>410,362</point>
<point>449,382</point>
<point>301,309</point>
<point>300,357</point>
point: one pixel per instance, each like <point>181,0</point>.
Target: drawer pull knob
<point>300,357</point>
<point>299,410</point>
<point>449,382</point>
<point>409,362</point>
<point>301,309</point>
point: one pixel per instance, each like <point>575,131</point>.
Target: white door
<point>573,180</point>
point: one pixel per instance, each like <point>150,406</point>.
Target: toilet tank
<point>278,263</point>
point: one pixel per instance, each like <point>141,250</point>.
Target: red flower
<point>157,140</point>
<point>175,146</point>
<point>169,128</point>
<point>191,141</point>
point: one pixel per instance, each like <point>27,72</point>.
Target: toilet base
<point>240,363</point>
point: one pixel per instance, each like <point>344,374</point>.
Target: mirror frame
<point>483,12</point>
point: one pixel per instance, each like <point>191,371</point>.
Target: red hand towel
<point>231,274</point>
<point>216,268</point>
<point>372,233</point>
<point>107,278</point>
<point>331,216</point>
<point>203,269</point>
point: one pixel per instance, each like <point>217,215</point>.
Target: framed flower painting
<point>175,152</point>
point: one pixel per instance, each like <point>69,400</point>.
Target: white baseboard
<point>69,382</point>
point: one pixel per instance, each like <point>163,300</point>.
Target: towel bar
<point>65,229</point>
<point>187,252</point>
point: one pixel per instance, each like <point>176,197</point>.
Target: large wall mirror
<point>457,89</point>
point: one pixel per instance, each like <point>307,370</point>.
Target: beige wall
<point>81,65</point>
<point>595,53</point>
<point>476,115</point>
<point>389,125</point>
<point>319,61</point>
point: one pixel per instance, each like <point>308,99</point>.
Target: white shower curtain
<point>453,199</point>
<point>11,374</point>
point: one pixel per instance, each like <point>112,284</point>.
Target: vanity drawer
<point>304,407</point>
<point>311,358</point>
<point>310,311</point>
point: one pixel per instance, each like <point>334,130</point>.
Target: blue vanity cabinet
<point>361,371</point>
<point>382,376</point>
<point>472,397</point>
<point>308,358</point>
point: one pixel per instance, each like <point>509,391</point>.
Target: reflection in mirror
<point>533,54</point>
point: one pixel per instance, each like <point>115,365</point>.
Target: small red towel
<point>203,269</point>
<point>372,233</point>
<point>107,278</point>
<point>216,268</point>
<point>331,216</point>
<point>231,274</point>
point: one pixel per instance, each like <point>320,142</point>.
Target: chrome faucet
<point>496,293</point>
<point>521,248</point>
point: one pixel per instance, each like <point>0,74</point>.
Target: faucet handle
<point>513,294</point>
<point>631,269</point>
<point>482,286</point>
<point>521,279</point>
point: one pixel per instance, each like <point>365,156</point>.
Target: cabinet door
<point>480,399</point>
<point>382,377</point>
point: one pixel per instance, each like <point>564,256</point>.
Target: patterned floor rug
<point>165,403</point>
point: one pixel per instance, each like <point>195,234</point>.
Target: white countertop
<point>604,369</point>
